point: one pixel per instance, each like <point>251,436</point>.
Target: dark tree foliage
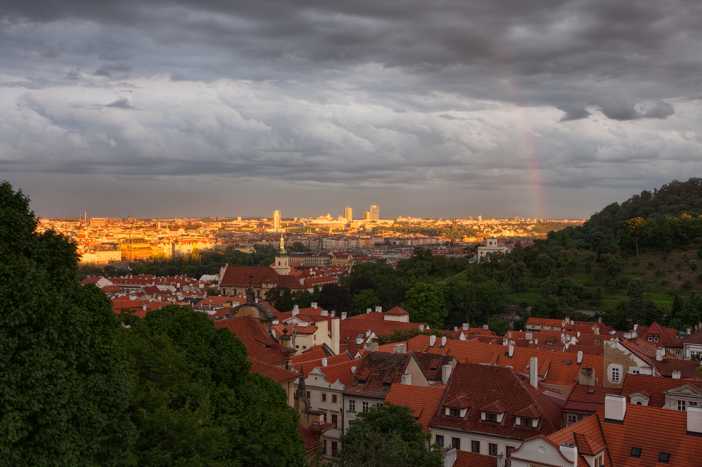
<point>194,401</point>
<point>63,391</point>
<point>387,436</point>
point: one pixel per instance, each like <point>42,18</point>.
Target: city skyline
<point>204,108</point>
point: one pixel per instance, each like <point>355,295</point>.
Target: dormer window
<point>454,412</point>
<point>635,452</point>
<point>492,417</point>
<point>534,422</point>
<point>517,421</point>
<point>653,338</point>
<point>664,457</point>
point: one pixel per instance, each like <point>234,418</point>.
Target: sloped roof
<point>483,386</point>
<point>586,434</point>
<point>259,344</point>
<point>654,430</point>
<point>423,401</point>
<point>376,373</point>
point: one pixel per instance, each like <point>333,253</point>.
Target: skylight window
<point>635,452</point>
<point>663,457</point>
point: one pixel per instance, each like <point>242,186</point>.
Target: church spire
<point>282,245</point>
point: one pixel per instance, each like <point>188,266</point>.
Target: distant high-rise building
<point>276,220</point>
<point>374,212</point>
<point>348,214</point>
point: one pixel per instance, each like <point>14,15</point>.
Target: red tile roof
<point>471,459</point>
<point>480,386</point>
<point>259,344</point>
<point>655,387</point>
<point>586,434</point>
<point>278,374</point>
<point>423,401</point>
<point>376,373</point>
<point>654,430</point>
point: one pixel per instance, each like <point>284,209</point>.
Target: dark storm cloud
<point>554,51</point>
<point>567,94</point>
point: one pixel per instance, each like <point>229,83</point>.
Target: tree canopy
<point>387,436</point>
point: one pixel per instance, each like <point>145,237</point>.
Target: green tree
<point>425,303</point>
<point>387,436</point>
<point>63,391</point>
<point>194,401</point>
<point>365,299</point>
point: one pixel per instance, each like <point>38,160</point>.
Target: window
<point>455,412</point>
<point>475,446</point>
<point>492,449</point>
<point>324,446</point>
<point>324,397</point>
<point>335,420</point>
<point>456,443</point>
<point>335,448</point>
<point>517,421</point>
<point>365,406</point>
<point>334,399</point>
<point>439,441</point>
<point>352,406</point>
<point>663,457</point>
<point>491,417</point>
<point>615,373</point>
<point>635,452</point>
<point>571,418</point>
<point>510,449</point>
<point>681,405</point>
<point>309,398</point>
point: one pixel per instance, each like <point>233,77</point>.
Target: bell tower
<point>281,265</point>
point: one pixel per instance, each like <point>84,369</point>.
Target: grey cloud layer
<point>561,93</point>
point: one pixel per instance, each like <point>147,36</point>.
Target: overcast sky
<point>435,108</point>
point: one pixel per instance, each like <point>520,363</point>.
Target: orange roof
<point>397,311</point>
<point>276,373</point>
<point>471,459</point>
<point>423,401</point>
<point>586,434</point>
<point>653,430</point>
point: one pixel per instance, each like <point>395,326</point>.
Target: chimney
<point>570,452</point>
<point>359,339</point>
<point>443,341</point>
<point>421,328</point>
<point>324,361</point>
<point>534,372</point>
<point>324,313</point>
<point>344,315</point>
<point>432,340</point>
<point>660,354</point>
<point>466,326</point>
<point>446,373</point>
<point>296,310</point>
<point>486,327</point>
<point>461,336</point>
<point>615,407</point>
<point>406,379</point>
<point>378,309</point>
<point>510,350</point>
<point>694,420</point>
<point>314,305</point>
<point>579,358</point>
<point>335,335</point>
<point>528,335</point>
<point>677,374</point>
<point>400,348</point>
<point>368,310</point>
<point>353,370</point>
